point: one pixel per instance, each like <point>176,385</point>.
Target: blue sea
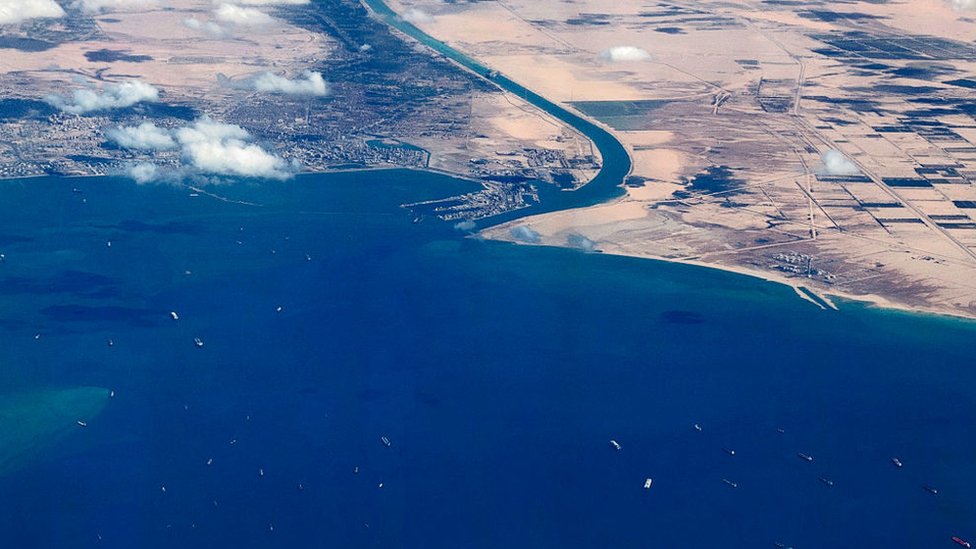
<point>498,373</point>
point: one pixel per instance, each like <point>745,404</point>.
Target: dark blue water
<point>499,373</point>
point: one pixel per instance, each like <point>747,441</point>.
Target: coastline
<point>629,349</point>
<point>488,233</point>
<point>299,174</point>
<point>870,300</point>
<point>499,223</point>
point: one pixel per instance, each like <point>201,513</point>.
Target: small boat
<point>111,394</point>
<point>647,483</point>
<point>260,472</point>
<point>279,309</point>
<point>962,542</point>
<point>355,470</point>
<point>233,441</point>
<point>380,485</point>
<point>308,257</point>
<point>780,430</point>
<point>209,461</point>
<point>729,451</point>
<point>698,427</point>
<point>616,446</point>
<point>896,462</point>
<point>386,442</point>
<point>826,481</point>
<point>111,343</point>
<point>730,483</point>
<point>198,342</point>
<point>930,490</point>
<point>108,243</point>
<point>81,423</point>
<point>804,457</point>
<point>301,487</point>
<point>173,315</point>
<point>782,545</point>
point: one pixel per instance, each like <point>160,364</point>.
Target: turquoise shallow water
<point>499,373</point>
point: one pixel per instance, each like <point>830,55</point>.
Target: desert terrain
<point>822,145</point>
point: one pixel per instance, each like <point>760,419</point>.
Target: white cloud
<point>113,96</point>
<point>144,136</point>
<point>17,11</point>
<point>243,17</point>
<point>222,149</point>
<point>963,5</point>
<point>524,233</point>
<point>143,172</point>
<point>206,27</point>
<point>414,15</point>
<point>621,54</point>
<point>835,163</point>
<point>98,6</point>
<point>466,225</point>
<point>310,83</point>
